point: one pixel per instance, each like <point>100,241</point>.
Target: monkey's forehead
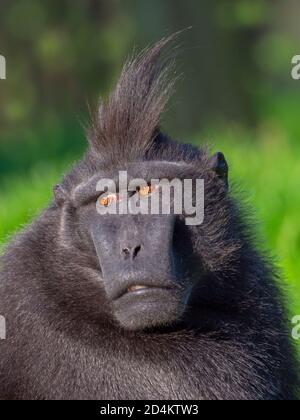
<point>156,169</point>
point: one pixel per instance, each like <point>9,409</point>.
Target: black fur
<point>63,340</point>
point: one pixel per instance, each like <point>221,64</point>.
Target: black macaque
<point>142,306</point>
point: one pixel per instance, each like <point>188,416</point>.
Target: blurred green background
<point>237,94</point>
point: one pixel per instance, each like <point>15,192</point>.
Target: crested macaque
<point>134,306</point>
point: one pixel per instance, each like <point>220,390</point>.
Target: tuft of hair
<point>127,123</point>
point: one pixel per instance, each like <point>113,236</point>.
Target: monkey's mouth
<point>136,288</point>
<point>139,289</point>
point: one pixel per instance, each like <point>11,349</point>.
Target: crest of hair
<point>128,121</point>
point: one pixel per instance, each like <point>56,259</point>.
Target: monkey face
<point>142,259</point>
<point>148,262</point>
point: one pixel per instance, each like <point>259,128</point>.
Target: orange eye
<point>146,191</point>
<point>108,200</point>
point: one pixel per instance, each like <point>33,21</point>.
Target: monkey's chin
<point>147,309</point>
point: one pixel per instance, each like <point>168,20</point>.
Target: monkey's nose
<point>131,252</point>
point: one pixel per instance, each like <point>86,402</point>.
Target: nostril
<point>126,253</point>
<point>131,252</point>
<point>136,251</point>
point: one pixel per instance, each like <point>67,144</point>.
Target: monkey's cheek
<point>148,309</point>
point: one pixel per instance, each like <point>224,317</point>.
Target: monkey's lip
<point>140,289</point>
<point>137,287</point>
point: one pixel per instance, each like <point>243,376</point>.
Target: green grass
<point>266,164</point>
<point>22,198</point>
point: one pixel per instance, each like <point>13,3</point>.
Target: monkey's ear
<point>219,165</point>
<point>60,195</point>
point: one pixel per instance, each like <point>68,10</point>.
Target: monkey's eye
<point>146,190</point>
<point>107,200</point>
